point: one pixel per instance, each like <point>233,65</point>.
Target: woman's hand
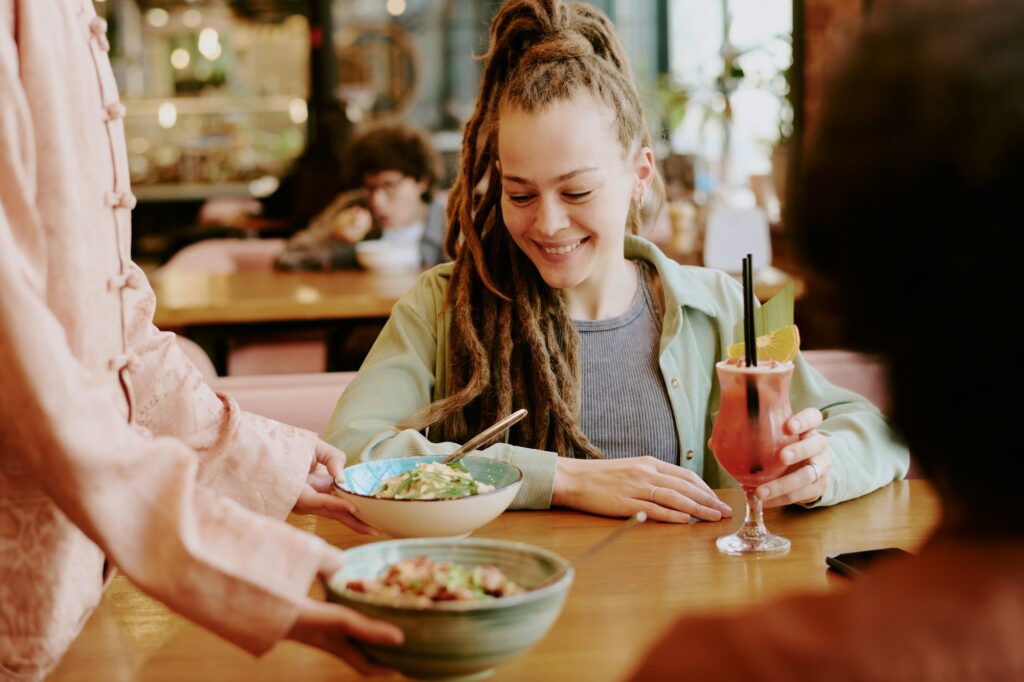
<point>809,462</point>
<point>352,224</point>
<point>622,487</point>
<point>331,627</point>
<point>316,498</point>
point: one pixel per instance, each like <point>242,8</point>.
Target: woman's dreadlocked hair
<point>512,343</point>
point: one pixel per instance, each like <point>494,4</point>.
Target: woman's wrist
<point>565,479</point>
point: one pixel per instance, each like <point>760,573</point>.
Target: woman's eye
<point>573,196</point>
<point>519,198</point>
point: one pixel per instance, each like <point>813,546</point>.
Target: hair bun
<point>558,46</point>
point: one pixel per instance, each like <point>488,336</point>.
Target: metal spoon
<point>487,434</point>
<point>639,517</point>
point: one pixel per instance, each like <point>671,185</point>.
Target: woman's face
<point>396,200</point>
<point>566,190</point>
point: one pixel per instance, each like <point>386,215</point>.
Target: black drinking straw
<point>750,343</point>
<point>749,336</point>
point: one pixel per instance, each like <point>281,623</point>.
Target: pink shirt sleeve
<point>257,461</point>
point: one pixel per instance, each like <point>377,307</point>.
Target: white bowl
<point>429,518</point>
<point>381,256</point>
<point>459,640</point>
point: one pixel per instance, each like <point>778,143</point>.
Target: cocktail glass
<point>746,439</point>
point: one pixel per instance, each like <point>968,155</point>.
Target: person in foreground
<point>550,305</point>
<point>114,451</point>
<point>913,176</point>
<point>396,167</point>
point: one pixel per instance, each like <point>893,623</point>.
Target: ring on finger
<point>651,496</point>
<point>817,471</point>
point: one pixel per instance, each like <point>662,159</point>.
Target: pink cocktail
<point>747,438</point>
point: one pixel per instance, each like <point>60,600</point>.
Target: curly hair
<point>909,197</point>
<point>512,343</point>
<point>392,145</point>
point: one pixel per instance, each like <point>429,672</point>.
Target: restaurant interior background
<point>227,97</point>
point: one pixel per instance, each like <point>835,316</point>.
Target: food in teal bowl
<point>458,640</point>
<point>436,517</point>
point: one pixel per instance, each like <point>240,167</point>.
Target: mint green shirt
<point>407,369</point>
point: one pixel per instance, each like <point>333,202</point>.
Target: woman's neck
<point>609,295</point>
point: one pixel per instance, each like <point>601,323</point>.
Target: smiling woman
<point>553,303</point>
<point>566,190</point>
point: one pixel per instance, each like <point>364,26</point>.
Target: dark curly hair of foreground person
<point>909,201</point>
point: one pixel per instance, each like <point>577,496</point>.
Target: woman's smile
<point>561,251</point>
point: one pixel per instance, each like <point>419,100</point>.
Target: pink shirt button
<point>117,282</point>
<point>123,280</point>
<point>128,200</point>
<point>115,111</point>
<point>128,361</point>
<point>121,200</point>
<point>98,28</point>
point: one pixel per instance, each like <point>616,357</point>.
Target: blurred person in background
<point>396,169</point>
<point>115,453</point>
<point>907,201</point>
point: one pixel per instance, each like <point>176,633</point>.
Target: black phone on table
<point>853,564</point>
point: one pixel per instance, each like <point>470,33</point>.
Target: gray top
<point>625,408</point>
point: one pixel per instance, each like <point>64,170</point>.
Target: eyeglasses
<point>388,187</point>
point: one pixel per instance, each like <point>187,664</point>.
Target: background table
<point>621,600</point>
<point>196,298</point>
<point>212,308</point>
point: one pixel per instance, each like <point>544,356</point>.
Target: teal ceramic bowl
<point>459,640</point>
<point>429,518</point>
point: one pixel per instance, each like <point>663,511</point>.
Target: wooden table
<point>197,298</point>
<point>211,308</point>
<point>620,602</point>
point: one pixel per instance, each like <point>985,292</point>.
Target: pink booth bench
<point>225,255</point>
<point>303,400</point>
<point>854,371</point>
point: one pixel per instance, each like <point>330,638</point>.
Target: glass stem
<point>753,523</point>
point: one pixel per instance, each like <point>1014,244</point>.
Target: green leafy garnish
<point>770,317</point>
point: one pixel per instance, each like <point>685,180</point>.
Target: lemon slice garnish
<point>780,345</point>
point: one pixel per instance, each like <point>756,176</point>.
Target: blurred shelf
<point>190,191</point>
<point>216,105</point>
